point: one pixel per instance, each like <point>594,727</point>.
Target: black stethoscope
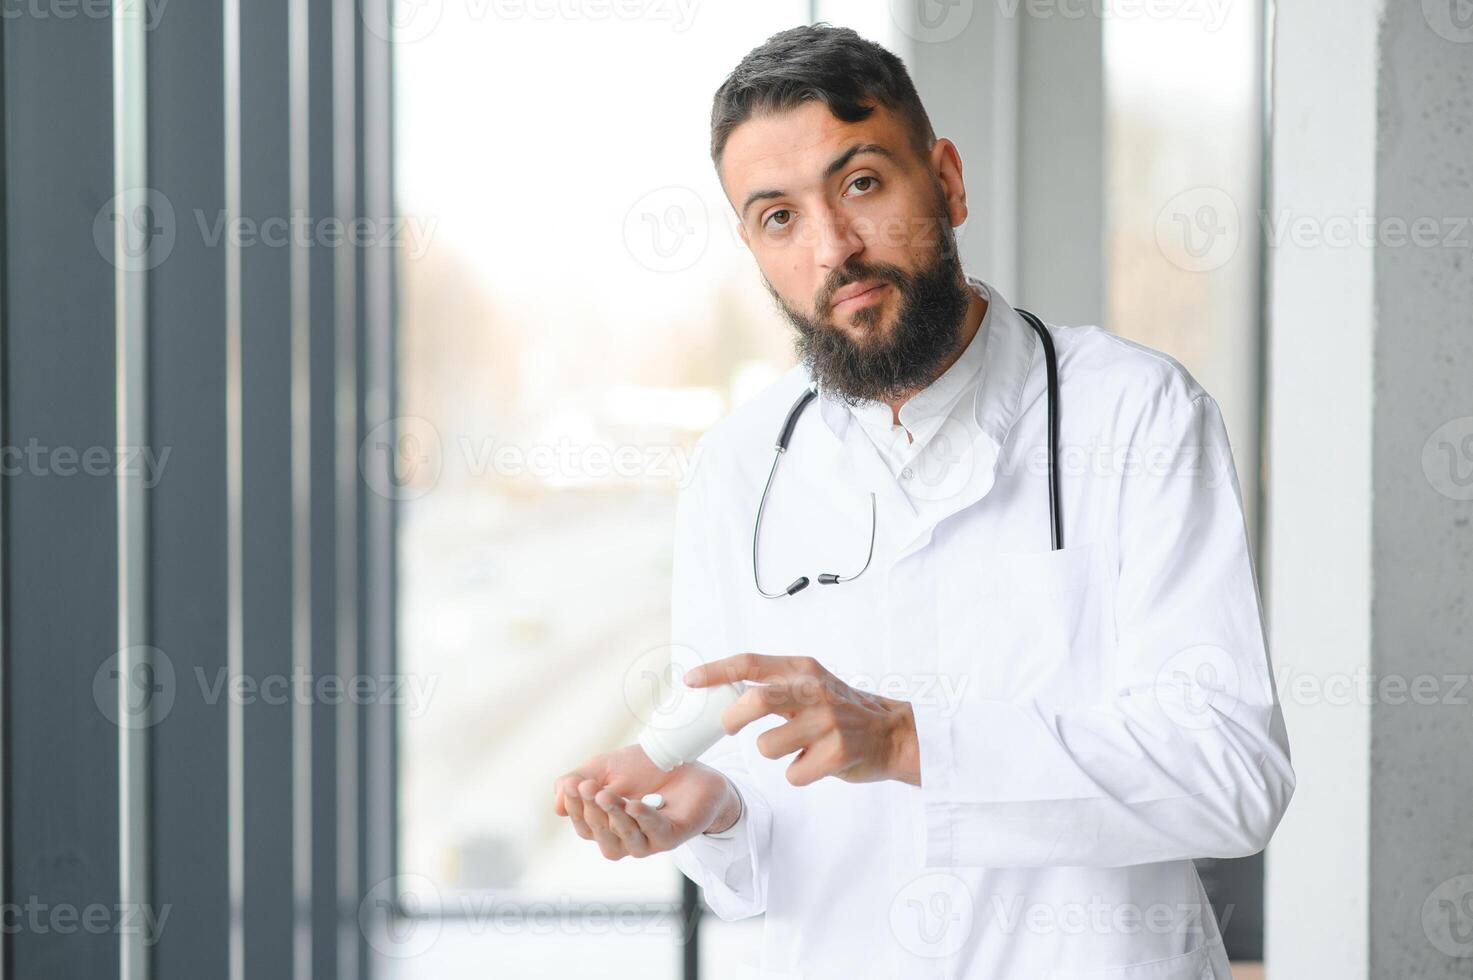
<point>1056,524</point>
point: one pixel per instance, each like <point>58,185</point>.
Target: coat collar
<point>1007,358</point>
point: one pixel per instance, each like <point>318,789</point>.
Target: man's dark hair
<point>818,62</point>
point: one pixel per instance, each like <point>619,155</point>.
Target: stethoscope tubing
<point>1056,523</point>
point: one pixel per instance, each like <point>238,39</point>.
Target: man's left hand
<point>836,729</point>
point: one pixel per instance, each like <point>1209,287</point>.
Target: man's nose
<point>838,239</point>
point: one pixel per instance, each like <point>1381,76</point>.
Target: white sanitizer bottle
<point>687,723</point>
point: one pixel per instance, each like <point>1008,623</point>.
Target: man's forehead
<point>782,149</point>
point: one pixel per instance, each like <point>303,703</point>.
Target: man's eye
<point>782,224</point>
<point>866,177</point>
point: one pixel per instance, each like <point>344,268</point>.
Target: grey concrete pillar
<point>1370,493</point>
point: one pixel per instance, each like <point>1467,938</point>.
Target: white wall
<point>1318,571</point>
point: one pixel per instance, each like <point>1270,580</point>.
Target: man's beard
<point>928,328</point>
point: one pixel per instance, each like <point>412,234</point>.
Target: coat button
<point>906,473</point>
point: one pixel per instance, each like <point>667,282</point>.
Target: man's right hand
<point>593,796</point>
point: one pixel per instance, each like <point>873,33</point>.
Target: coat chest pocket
<point>1032,626</point>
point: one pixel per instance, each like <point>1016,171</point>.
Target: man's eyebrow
<point>839,162</point>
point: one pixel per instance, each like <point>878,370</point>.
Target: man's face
<point>852,232</point>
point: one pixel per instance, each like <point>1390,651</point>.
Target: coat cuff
<point>931,803</point>
<point>729,867</point>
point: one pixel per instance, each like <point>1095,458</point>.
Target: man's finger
<point>623,825</point>
<point>807,768</point>
<point>597,820</point>
<point>654,824</point>
<point>758,667</point>
<point>610,844</point>
<point>567,785</point>
<point>575,814</point>
<point>799,733</point>
<point>570,805</point>
<point>567,790</point>
<point>776,698</point>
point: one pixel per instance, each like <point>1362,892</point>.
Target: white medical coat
<point>1089,720</point>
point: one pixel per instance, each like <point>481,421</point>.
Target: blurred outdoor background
<point>578,286</point>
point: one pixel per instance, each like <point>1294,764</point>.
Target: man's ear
<point>742,231</point>
<point>947,163</point>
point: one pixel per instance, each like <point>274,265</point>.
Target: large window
<point>1183,251</point>
<point>1183,150</point>
<point>576,311</point>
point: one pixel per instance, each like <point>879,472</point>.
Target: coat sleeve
<point>1189,758</point>
<point>731,869</point>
